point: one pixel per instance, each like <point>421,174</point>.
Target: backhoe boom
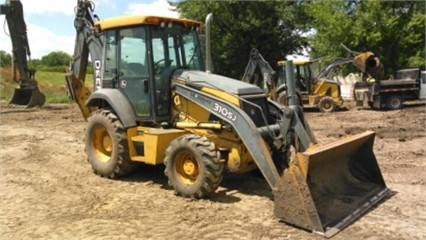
<point>88,41</point>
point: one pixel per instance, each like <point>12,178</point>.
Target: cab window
<point>133,53</point>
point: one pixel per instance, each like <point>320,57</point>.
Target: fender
<point>117,101</point>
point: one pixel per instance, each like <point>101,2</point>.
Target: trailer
<point>408,85</point>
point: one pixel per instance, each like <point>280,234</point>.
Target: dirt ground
<point>48,190</point>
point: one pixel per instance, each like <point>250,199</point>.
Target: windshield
<point>172,47</point>
<point>176,47</point>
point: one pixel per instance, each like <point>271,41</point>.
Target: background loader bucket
<point>328,187</point>
<point>28,97</point>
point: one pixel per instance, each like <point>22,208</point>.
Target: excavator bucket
<point>369,63</point>
<point>28,97</point>
<point>327,187</point>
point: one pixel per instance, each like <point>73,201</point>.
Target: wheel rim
<point>186,167</point>
<point>395,102</point>
<point>102,144</point>
<point>326,106</point>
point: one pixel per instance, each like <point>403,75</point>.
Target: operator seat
<point>136,69</point>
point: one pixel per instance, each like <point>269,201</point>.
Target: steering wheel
<point>157,69</point>
<point>302,81</point>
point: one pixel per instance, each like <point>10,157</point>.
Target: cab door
<point>134,77</point>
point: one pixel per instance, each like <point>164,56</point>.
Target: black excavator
<point>28,93</point>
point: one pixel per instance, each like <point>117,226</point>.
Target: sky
<point>50,23</point>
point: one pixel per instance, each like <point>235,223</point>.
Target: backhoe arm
<point>88,41</point>
<point>256,60</point>
<point>329,69</point>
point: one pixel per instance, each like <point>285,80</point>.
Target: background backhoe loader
<point>28,93</point>
<point>154,102</point>
<point>313,91</point>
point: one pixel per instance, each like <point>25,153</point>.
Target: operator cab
<point>303,75</point>
<point>140,55</point>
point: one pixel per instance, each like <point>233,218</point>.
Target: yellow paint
<point>155,142</point>
<point>82,93</point>
<point>227,97</point>
<point>125,21</point>
<point>295,62</point>
<point>102,144</point>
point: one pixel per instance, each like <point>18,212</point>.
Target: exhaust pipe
<point>209,18</point>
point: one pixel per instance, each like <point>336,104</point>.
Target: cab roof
<point>296,62</point>
<point>125,21</point>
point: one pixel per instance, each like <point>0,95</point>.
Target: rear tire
<point>327,104</point>
<point>193,166</point>
<point>394,102</point>
<point>106,145</point>
<point>282,98</point>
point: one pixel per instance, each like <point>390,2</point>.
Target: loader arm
<point>327,187</point>
<point>255,138</point>
<point>324,188</point>
<point>257,61</point>
<point>28,93</point>
<point>330,68</point>
<point>88,41</point>
<point>242,124</point>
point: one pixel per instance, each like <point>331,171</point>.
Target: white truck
<point>408,85</point>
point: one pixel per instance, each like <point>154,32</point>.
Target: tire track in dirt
<point>48,190</point>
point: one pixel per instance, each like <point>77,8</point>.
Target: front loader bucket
<point>328,187</point>
<point>28,97</point>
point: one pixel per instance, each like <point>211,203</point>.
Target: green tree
<point>238,26</point>
<point>56,59</point>
<point>5,59</point>
<point>35,63</point>
<point>393,30</point>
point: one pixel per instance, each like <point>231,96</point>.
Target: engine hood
<point>202,79</point>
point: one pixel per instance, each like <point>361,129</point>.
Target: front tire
<point>327,105</point>
<point>106,145</point>
<point>282,98</point>
<point>193,166</point>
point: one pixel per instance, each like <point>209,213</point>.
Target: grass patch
<point>51,84</point>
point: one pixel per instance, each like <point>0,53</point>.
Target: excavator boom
<point>28,93</point>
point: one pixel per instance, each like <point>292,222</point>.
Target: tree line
<point>54,61</point>
<point>393,30</point>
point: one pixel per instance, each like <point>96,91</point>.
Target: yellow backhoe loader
<point>313,91</point>
<point>320,91</point>
<point>155,102</point>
